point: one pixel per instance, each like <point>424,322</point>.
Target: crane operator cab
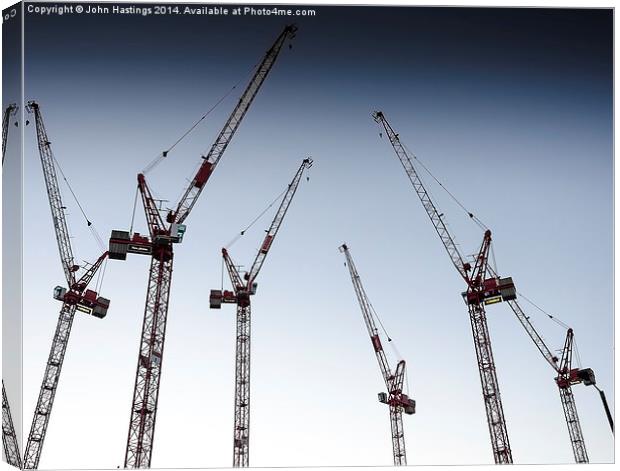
<point>401,400</point>
<point>494,290</point>
<point>576,376</point>
<point>89,302</point>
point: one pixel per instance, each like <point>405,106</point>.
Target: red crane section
<point>480,292</point>
<point>159,246</point>
<point>395,398</point>
<point>75,297</point>
<point>243,288</point>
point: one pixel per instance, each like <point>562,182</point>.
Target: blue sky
<point>512,111</point>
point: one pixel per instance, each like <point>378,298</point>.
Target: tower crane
<point>159,246</point>
<point>395,398</point>
<point>9,438</point>
<point>567,376</point>
<point>75,297</point>
<point>243,288</point>
<point>481,290</point>
<point>6,116</point>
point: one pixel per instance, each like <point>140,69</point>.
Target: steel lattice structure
<point>9,438</point>
<point>47,393</point>
<point>159,246</point>
<point>490,386</point>
<point>148,373</point>
<point>398,401</point>
<point>566,377</point>
<point>243,288</point>
<point>476,289</point>
<point>241,428</point>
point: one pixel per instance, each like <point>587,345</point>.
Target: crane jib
<point>189,198</point>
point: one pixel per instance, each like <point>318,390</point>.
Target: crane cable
<point>392,344</point>
<point>157,160</point>
<point>406,381</point>
<point>94,233</point>
<point>133,213</point>
<point>389,339</point>
<point>256,219</point>
<point>483,226</point>
<point>101,276</point>
<point>577,356</point>
<point>222,286</point>
<point>553,318</point>
<point>469,213</point>
<point>90,225</point>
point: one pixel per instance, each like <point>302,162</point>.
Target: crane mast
<point>243,288</point>
<point>148,370</point>
<point>159,246</point>
<point>480,291</point>
<point>75,297</point>
<point>6,116</point>
<point>396,399</point>
<point>566,377</point>
<point>9,438</point>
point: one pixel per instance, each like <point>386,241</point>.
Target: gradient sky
<point>510,108</point>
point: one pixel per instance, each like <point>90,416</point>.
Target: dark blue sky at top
<point>340,41</point>
<point>507,66</point>
<point>543,38</point>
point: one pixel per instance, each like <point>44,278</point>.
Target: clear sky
<point>510,108</point>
